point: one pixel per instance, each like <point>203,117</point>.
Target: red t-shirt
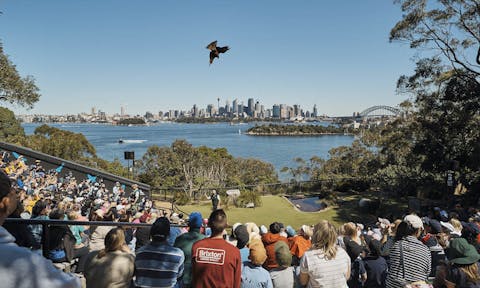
<point>215,263</point>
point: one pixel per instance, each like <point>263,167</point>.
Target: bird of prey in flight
<point>215,51</point>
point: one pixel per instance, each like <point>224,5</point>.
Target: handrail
<point>54,222</point>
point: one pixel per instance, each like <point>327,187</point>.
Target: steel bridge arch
<point>368,111</point>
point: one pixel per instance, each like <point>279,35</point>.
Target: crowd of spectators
<point>439,247</point>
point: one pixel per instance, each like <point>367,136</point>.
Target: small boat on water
<point>125,141</point>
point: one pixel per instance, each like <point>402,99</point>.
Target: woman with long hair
<point>463,269</point>
<point>326,264</point>
<point>112,266</point>
<point>98,233</point>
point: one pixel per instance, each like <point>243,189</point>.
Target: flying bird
<point>215,51</point>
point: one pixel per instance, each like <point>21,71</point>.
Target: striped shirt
<point>323,272</point>
<point>158,265</point>
<point>416,262</point>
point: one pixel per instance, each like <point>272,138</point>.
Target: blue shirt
<point>76,230</point>
<point>158,264</point>
<point>255,276</point>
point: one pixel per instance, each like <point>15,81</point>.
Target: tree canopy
<point>15,89</point>
<point>448,27</point>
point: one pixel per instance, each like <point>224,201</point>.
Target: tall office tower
<point>94,110</point>
<point>227,107</point>
<point>160,114</point>
<point>250,107</point>
<point>241,109</point>
<point>257,107</point>
<point>171,114</point>
<point>276,111</point>
<point>122,111</point>
<point>210,110</point>
<point>315,111</point>
<point>195,112</point>
<point>296,110</point>
<point>283,111</point>
<point>235,107</point>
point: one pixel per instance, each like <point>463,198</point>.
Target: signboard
<point>450,179</point>
<point>233,192</point>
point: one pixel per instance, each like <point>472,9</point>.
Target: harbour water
<point>278,150</point>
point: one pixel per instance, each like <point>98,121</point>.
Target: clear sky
<point>150,55</point>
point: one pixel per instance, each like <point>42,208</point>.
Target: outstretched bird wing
<point>213,55</point>
<point>212,46</point>
<point>222,49</point>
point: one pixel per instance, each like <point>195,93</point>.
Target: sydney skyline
<point>151,55</point>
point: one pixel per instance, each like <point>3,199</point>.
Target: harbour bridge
<point>378,111</point>
<point>372,112</point>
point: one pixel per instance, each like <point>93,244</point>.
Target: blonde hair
<point>307,232</point>
<point>114,241</point>
<point>72,215</point>
<point>471,271</point>
<point>456,224</point>
<point>325,238</point>
<point>350,229</point>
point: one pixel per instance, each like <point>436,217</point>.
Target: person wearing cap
<point>432,228</point>
<point>282,276</point>
<point>158,264</point>
<point>20,267</point>
<point>375,265</point>
<point>269,240</point>
<point>215,262</point>
<point>463,269</point>
<point>185,243</point>
<point>253,274</point>
<point>300,243</point>
<point>410,259</point>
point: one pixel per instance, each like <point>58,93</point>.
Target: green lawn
<point>274,208</point>
<point>277,208</point>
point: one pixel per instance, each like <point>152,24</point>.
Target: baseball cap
<point>414,221</point>
<point>160,228</point>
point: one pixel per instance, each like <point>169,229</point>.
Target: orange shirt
<point>298,245</point>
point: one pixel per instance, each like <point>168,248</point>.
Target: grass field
<point>277,208</point>
<point>274,208</point>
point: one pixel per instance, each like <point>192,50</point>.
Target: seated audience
<point>112,266</point>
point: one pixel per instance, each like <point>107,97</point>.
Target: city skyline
<point>152,56</point>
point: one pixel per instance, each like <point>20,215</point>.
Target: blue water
<point>280,151</point>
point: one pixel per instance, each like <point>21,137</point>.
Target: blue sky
<point>150,55</point>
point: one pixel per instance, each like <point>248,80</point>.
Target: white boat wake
<point>126,141</point>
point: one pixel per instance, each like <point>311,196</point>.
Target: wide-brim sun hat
<point>462,253</point>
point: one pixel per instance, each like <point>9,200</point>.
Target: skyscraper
<point>315,111</point>
<point>235,107</point>
<point>251,107</point>
<point>276,111</point>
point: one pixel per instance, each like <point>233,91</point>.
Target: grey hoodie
<point>21,268</point>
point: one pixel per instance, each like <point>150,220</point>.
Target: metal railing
<point>46,224</point>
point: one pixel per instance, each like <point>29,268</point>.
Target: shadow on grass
<point>348,209</point>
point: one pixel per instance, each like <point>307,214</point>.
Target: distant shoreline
<point>295,134</point>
